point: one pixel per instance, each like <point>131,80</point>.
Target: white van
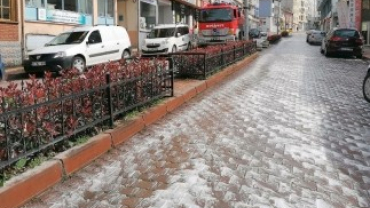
<point>167,38</point>
<point>79,48</point>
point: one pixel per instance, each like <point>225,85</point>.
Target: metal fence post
<point>222,58</point>
<point>205,66</point>
<point>109,98</point>
<point>234,53</point>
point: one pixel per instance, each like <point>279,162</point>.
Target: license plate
<point>346,49</point>
<point>152,49</point>
<point>38,63</point>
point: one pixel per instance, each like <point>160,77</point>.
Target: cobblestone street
<point>291,130</point>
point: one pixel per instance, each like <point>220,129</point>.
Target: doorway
<point>366,32</point>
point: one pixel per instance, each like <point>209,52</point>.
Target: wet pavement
<point>291,130</point>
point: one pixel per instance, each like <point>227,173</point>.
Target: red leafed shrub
<point>200,62</point>
<point>273,38</point>
<point>42,112</point>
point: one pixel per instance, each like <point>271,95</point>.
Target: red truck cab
<point>220,22</point>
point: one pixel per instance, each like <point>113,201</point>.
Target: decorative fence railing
<point>44,112</point>
<point>201,63</point>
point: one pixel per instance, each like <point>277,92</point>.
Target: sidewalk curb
<point>30,184</point>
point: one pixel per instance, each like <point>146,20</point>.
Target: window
<point>70,5</point>
<point>35,3</point>
<point>95,37</point>
<point>8,10</point>
<point>148,12</point>
<point>106,8</point>
<point>85,6</point>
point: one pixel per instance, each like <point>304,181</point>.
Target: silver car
<point>315,37</point>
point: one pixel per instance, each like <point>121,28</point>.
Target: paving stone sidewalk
<point>291,131</point>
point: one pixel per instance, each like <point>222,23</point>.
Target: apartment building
<point>10,32</point>
<point>271,16</point>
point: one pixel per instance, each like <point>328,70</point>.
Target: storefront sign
<point>41,14</point>
<point>61,16</point>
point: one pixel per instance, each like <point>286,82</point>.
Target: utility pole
<point>246,29</point>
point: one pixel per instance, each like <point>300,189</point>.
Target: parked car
<point>262,42</point>
<point>315,37</point>
<point>254,33</point>
<point>167,38</point>
<point>343,41</point>
<point>79,48</point>
<point>366,85</point>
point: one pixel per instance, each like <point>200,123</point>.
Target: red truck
<point>220,22</point>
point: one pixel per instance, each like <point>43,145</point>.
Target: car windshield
<point>162,33</point>
<point>213,15</point>
<point>68,38</point>
<point>346,33</point>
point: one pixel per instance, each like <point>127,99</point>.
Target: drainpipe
<point>22,29</point>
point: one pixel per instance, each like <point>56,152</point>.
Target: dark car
<point>254,33</point>
<point>343,41</point>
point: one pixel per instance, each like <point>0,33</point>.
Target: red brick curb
<point>189,94</point>
<point>154,113</point>
<point>128,129</point>
<point>174,103</point>
<point>81,155</point>
<point>26,186</point>
<point>38,180</point>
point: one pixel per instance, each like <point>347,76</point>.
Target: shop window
<point>148,14</point>
<point>35,3</point>
<point>85,6</point>
<point>106,8</point>
<point>70,5</point>
<point>8,10</point>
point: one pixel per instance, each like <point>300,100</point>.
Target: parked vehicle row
<point>339,41</point>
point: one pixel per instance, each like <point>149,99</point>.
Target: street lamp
<point>278,17</point>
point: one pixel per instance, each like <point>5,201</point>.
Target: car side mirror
<point>178,35</point>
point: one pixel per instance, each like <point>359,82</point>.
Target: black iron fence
<point>52,110</point>
<point>201,63</point>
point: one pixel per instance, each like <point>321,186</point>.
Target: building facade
<point>365,21</point>
<point>44,19</point>
<point>10,32</point>
<point>271,16</point>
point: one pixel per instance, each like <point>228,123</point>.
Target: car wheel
<point>78,63</point>
<point>174,49</point>
<point>125,54</point>
<point>366,88</point>
<point>326,53</point>
<point>359,56</point>
<point>321,50</point>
